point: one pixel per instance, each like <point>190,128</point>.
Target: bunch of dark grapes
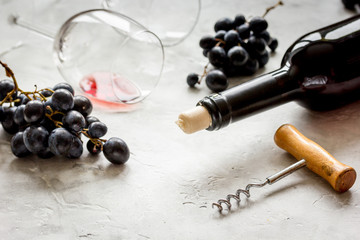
<point>239,47</point>
<point>51,121</point>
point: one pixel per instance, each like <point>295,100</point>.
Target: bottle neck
<point>252,97</point>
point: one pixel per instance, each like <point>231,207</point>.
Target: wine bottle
<point>321,71</point>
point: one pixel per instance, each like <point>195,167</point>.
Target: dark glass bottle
<point>321,71</point>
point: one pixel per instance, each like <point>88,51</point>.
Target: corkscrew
<point>310,154</point>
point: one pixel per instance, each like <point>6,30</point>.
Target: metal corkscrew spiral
<point>340,176</point>
<point>269,180</point>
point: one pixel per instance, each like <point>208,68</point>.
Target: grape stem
<point>52,113</point>
<point>279,3</point>
<point>9,73</point>
<point>37,93</point>
<point>98,142</point>
<point>219,42</point>
<point>9,98</point>
<point>204,73</point>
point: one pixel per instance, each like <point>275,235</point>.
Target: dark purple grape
<point>192,79</point>
<point>76,148</point>
<point>232,71</point>
<point>45,154</point>
<point>6,86</point>
<point>48,124</point>
<point>231,39</point>
<point>19,99</point>
<point>25,100</point>
<point>205,52</point>
<point>273,44</point>
<point>258,44</point>
<point>18,147</point>
<point>223,24</point>
<point>263,59</point>
<point>2,115</point>
<point>239,20</point>
<point>90,120</point>
<point>36,138</point>
<point>92,148</point>
<point>216,81</point>
<point>116,151</point>
<point>47,93</point>
<point>62,100</point>
<point>207,42</point>
<point>97,129</point>
<point>258,24</point>
<point>64,85</point>
<point>83,105</point>
<point>60,141</point>
<point>8,123</point>
<point>264,35</point>
<point>251,66</point>
<point>46,104</point>
<point>19,116</point>
<point>220,34</point>
<point>34,111</point>
<point>243,31</point>
<point>238,56</point>
<point>74,121</point>
<point>217,56</point>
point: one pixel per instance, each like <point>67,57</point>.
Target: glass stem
<point>19,21</point>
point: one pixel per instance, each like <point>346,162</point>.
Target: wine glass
<point>172,21</point>
<point>108,56</point>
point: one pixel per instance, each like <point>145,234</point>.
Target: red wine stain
<point>109,91</point>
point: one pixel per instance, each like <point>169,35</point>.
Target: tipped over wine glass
<point>110,57</point>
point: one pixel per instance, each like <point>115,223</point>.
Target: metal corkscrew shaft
<point>340,176</point>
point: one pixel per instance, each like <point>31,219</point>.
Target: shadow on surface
<point>59,172</point>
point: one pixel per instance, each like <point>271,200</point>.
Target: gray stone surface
<point>166,189</point>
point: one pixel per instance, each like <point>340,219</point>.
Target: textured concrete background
<point>166,189</point>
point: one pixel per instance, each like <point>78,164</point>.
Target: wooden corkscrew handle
<point>340,176</point>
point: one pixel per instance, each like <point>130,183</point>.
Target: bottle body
<point>321,71</point>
